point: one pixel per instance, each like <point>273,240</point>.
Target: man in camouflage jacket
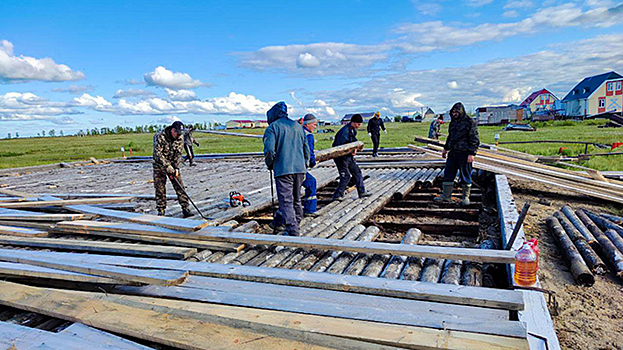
<point>460,149</point>
<point>168,149</point>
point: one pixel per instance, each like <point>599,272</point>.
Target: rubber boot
<point>467,189</point>
<point>186,213</point>
<point>446,196</point>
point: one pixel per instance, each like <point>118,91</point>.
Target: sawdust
<point>589,317</point>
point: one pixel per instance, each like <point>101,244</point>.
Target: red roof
<point>241,121</point>
<point>534,95</point>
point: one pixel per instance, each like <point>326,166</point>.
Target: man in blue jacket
<point>346,165</point>
<point>310,123</point>
<point>286,153</point>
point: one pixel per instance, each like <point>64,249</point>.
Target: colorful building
<point>493,115</point>
<point>539,100</point>
<point>260,124</point>
<point>594,95</point>
<point>240,124</point>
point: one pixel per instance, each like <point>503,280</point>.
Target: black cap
<point>178,126</point>
<point>356,118</point>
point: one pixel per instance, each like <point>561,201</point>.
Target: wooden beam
<point>48,259</point>
<point>147,219</point>
<point>17,337</point>
<point>22,231</point>
<point>205,326</point>
<point>64,203</point>
<point>479,255</point>
<point>226,133</point>
<point>95,336</point>
<point>14,214</point>
<point>133,249</point>
<point>9,269</point>
<point>338,151</point>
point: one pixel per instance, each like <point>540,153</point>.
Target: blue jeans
<point>456,161</point>
<point>310,202</point>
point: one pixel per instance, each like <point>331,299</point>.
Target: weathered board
<point>21,231</point>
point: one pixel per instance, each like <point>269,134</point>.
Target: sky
<point>77,65</point>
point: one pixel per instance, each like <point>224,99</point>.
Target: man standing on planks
<point>167,160</point>
<point>346,165</point>
<point>310,123</point>
<point>287,154</point>
<point>375,124</point>
<point>435,128</point>
<point>460,149</point>
<point>189,139</point>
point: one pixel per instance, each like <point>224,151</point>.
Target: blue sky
<point>74,65</point>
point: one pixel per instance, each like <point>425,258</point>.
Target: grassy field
<point>35,151</point>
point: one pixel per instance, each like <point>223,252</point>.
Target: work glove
<point>370,134</point>
<point>385,131</point>
<point>170,170</point>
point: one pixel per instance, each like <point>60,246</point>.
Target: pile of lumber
<point>587,240</point>
<point>590,183</point>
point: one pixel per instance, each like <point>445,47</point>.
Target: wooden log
<point>452,272</point>
<point>608,249</point>
<point>397,262</point>
<point>226,133</point>
<point>580,226</point>
<point>451,213</point>
<point>338,151</point>
<point>47,259</point>
<point>432,270</point>
<point>615,238</point>
<point>327,259</point>
<point>472,276</point>
<point>616,219</point>
<point>22,232</point>
<point>604,224</point>
<point>46,203</point>
<point>589,256</point>
<point>205,326</point>
<point>580,271</point>
<point>413,269</point>
<point>344,259</point>
<point>100,247</point>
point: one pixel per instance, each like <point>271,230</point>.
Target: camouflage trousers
<point>160,184</point>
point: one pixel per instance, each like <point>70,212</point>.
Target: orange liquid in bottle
<point>526,266</point>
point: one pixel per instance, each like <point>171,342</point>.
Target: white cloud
<point>298,102</point>
<point>17,103</point>
<point>453,84</point>
<point>320,109</point>
<point>478,3</point>
<point>428,8</point>
<point>75,89</point>
<point>510,14</point>
<point>169,119</point>
<point>172,80</point>
<point>97,103</point>
<point>132,93</point>
<point>307,60</point>
<point>181,95</point>
<point>518,4</point>
<point>24,68</point>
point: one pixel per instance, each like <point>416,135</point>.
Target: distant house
<point>429,114</point>
<point>498,114</point>
<point>388,120</point>
<point>239,124</point>
<point>366,117</point>
<point>260,124</point>
<point>593,95</point>
<point>539,100</point>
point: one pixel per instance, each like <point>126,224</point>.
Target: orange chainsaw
<point>237,199</point>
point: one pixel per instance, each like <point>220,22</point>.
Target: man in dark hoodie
<point>287,154</point>
<point>460,149</point>
<point>168,149</point>
<point>346,165</point>
<point>375,124</point>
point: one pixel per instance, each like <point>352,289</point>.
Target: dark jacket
<point>347,134</point>
<point>285,146</point>
<point>463,135</point>
<point>375,125</point>
<point>189,139</point>
<point>435,129</point>
<point>311,143</point>
<point>167,151</point>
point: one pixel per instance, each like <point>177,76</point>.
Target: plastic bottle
<point>534,245</point>
<point>526,266</point>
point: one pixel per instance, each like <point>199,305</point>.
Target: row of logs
<point>586,238</point>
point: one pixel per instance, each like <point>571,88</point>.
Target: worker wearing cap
<point>435,128</point>
<point>459,151</point>
<point>168,149</point>
<point>189,140</point>
<point>375,124</point>
<point>346,164</point>
<point>287,154</point>
<point>310,123</point>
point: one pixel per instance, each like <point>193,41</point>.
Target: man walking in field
<point>375,124</point>
<point>287,154</point>
<point>346,165</point>
<point>167,159</point>
<point>189,140</point>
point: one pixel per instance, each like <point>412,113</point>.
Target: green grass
<point>35,151</point>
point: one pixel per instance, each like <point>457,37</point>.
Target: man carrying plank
<point>346,165</point>
<point>168,149</point>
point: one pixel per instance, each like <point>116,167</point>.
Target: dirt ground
<point>589,317</point>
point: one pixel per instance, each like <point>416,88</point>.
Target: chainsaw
<point>236,199</point>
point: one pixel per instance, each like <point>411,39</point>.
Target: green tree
<point>52,133</point>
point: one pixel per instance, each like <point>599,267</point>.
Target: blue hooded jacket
<point>285,146</point>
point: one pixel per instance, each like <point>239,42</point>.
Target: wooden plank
<point>64,203</point>
<point>21,231</point>
<point>338,151</point>
<point>48,259</point>
<point>43,226</point>
<point>101,247</point>
<point>541,332</point>
<point>191,243</point>
<point>147,219</point>
<point>469,254</point>
<point>14,214</point>
<point>463,295</point>
<point>9,269</point>
<point>92,335</point>
<point>205,326</point>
